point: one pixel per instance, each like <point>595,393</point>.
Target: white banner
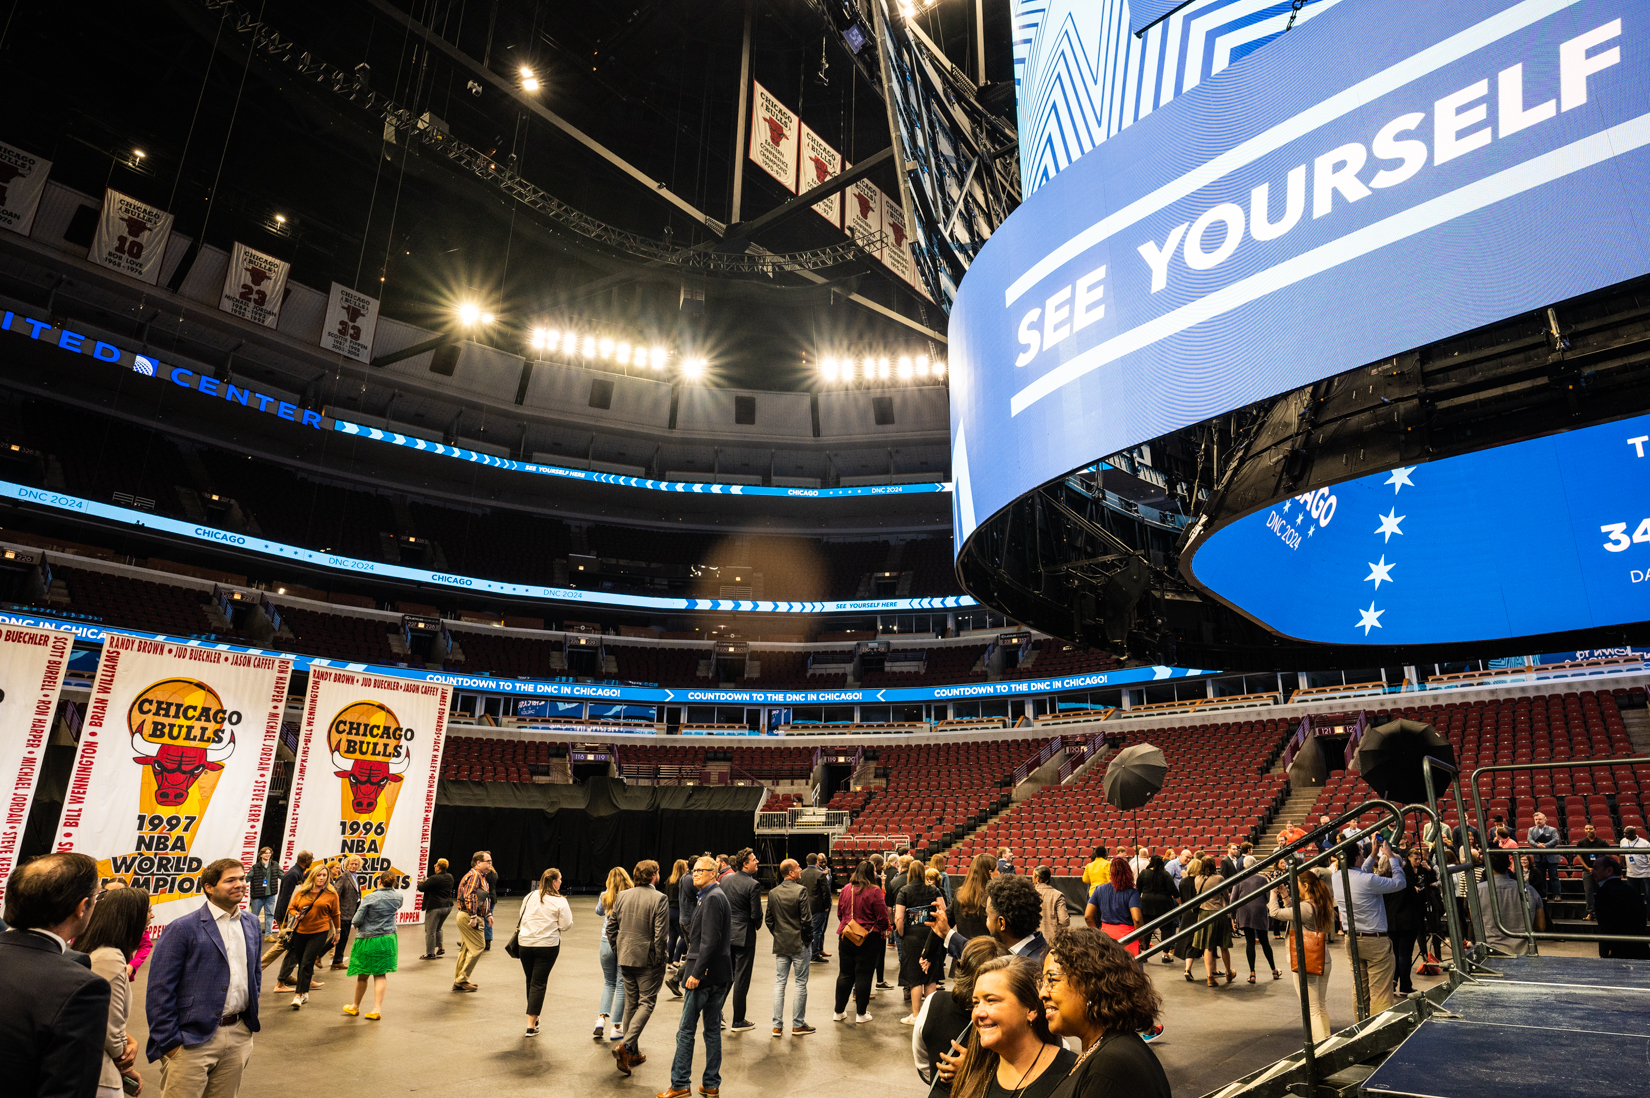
<point>773,136</point>
<point>254,286</point>
<point>22,182</point>
<point>352,320</point>
<point>173,766</point>
<point>372,740</point>
<point>863,220</point>
<point>819,164</point>
<point>896,242</point>
<point>131,237</point>
<point>31,673</point>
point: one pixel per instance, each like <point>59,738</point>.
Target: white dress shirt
<point>234,944</point>
<point>62,946</point>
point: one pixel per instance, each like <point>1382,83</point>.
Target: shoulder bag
<point>513,946</point>
<point>1314,944</point>
<point>282,937</point>
<point>852,929</point>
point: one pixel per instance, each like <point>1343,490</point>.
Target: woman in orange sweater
<point>316,904</point>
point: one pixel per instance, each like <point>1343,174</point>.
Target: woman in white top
<point>1317,914</point>
<point>545,914</point>
<point>119,919</point>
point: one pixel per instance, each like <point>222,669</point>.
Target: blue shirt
<point>1368,910</point>
<point>1113,905</point>
<point>1175,869</point>
<point>375,916</point>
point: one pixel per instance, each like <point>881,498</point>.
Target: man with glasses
<point>475,914</point>
<point>707,975</point>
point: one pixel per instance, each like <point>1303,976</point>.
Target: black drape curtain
<point>526,842</point>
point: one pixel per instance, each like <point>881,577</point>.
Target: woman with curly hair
<point>1093,990</point>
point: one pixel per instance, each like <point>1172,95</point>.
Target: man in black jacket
<point>290,880</point>
<point>54,1013</point>
<point>265,884</point>
<point>816,882</point>
<point>1620,910</point>
<point>745,899</point>
<point>707,975</point>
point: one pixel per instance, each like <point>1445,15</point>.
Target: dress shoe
<point>675,1092</point>
<point>710,1092</point>
<point>621,1059</point>
<point>339,967</point>
<point>638,1058</point>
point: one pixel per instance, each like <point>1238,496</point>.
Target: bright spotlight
<point>922,365</point>
<point>469,314</point>
<point>589,347</point>
<point>882,368</point>
<point>623,354</point>
<point>658,358</point>
<point>529,80</point>
<point>693,368</point>
<point>904,366</point>
<point>541,339</point>
<point>868,367</point>
<point>939,369</point>
<point>607,348</point>
<point>828,369</point>
<point>487,318</point>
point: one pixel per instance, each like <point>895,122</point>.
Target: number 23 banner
<point>368,743</point>
<point>173,765</point>
<point>254,286</point>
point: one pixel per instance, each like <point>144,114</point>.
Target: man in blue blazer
<point>202,997</point>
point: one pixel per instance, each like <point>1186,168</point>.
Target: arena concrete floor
<point>434,1040</point>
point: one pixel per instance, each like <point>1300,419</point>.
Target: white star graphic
<point>1370,618</point>
<point>1400,477</point>
<point>1389,524</point>
<point>1380,572</point>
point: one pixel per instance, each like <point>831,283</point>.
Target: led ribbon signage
<point>1370,182</point>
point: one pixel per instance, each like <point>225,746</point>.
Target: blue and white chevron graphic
<point>1083,71</point>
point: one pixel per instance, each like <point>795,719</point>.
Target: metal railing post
<point>1441,846</point>
<point>1360,990</point>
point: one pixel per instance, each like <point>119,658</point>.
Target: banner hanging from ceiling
<point>896,239</point>
<point>22,182</point>
<point>131,237</point>
<point>819,164</point>
<point>369,741</point>
<point>31,673</point>
<point>863,217</point>
<point>351,322</point>
<point>173,766</point>
<point>254,286</point>
<point>773,136</point>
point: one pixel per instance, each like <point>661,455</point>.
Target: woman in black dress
<point>1093,990</point>
<point>1010,1051</point>
<point>1186,949</point>
<point>1157,897</point>
<point>913,912</point>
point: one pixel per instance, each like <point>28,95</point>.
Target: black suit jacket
<point>53,1018</point>
<point>745,902</point>
<point>818,887</point>
<point>710,945</point>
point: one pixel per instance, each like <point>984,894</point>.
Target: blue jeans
<point>612,986</point>
<point>705,1000</point>
<point>263,909</point>
<point>784,968</point>
<point>820,919</point>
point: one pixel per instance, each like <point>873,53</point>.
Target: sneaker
<point>884,986</point>
<point>862,1018</point>
<point>615,1034</point>
<point>601,1027</point>
<point>299,1000</point>
<point>743,1027</point>
<point>839,1016</point>
<point>779,1031</point>
<point>908,1020</point>
<point>532,1031</point>
<point>802,1030</point>
<point>1152,1034</point>
<point>352,1011</point>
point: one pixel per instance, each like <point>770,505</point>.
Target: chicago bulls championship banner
<point>352,320</point>
<point>819,163</point>
<point>31,673</point>
<point>22,182</point>
<point>131,237</point>
<point>863,219</point>
<point>254,286</point>
<point>773,136</point>
<point>368,743</point>
<point>896,242</point>
<point>173,766</point>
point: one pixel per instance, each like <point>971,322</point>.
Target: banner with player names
<point>896,241</point>
<point>173,766</point>
<point>254,286</point>
<point>22,182</point>
<point>819,164</point>
<point>351,322</point>
<point>773,136</point>
<point>863,219</point>
<point>368,741</point>
<point>131,237</point>
<point>31,674</point>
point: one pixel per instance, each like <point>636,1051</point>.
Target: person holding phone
<point>1379,874</point>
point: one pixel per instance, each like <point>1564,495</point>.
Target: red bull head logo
<point>8,172</point>
<point>354,313</point>
<point>776,132</point>
<point>864,206</point>
<point>257,275</point>
<point>370,752</point>
<point>135,226</point>
<point>182,733</point>
<point>899,236</point>
<point>822,170</point>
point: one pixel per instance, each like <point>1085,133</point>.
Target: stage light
<point>540,340</point>
<point>589,346</point>
<point>469,314</point>
<point>904,367</point>
<point>487,318</point>
<point>693,368</point>
<point>607,348</point>
<point>922,365</point>
<point>623,354</point>
<point>280,219</point>
<point>939,369</point>
<point>657,358</point>
<point>882,368</point>
<point>828,369</point>
<point>868,368</point>
<point>529,82</point>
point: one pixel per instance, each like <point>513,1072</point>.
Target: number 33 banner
<point>352,319</point>
<point>173,766</point>
<point>368,743</point>
<point>254,285</point>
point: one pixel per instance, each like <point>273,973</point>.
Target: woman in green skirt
<point>375,953</point>
<point>1218,934</point>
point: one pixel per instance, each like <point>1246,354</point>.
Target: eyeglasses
<point>1050,980</point>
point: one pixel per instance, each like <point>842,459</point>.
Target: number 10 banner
<point>368,743</point>
<point>173,765</point>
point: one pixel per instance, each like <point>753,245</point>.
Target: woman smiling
<point>1011,1053</point>
<point>1093,990</point>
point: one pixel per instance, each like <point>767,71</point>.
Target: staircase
<point>1297,808</point>
<point>1637,723</point>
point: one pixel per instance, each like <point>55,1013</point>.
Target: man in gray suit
<point>638,929</point>
<point>745,898</point>
<point>790,921</point>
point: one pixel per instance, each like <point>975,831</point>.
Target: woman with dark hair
<point>1317,913</point>
<point>861,902</point>
<point>944,1014</point>
<point>1249,907</point>
<point>673,891</point>
<point>377,949</point>
<point>1114,907</point>
<point>545,917</point>
<point>1010,1050</point>
<point>1157,897</point>
<point>1094,991</point>
<point>914,909</point>
<point>439,893</point>
<point>1218,934</point>
<point>119,920</point>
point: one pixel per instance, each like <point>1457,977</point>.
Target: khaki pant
<point>1379,968</point>
<point>209,1070</point>
<point>471,943</point>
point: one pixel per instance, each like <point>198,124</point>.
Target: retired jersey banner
<point>352,319</point>
<point>368,743</point>
<point>173,767</point>
<point>254,286</point>
<point>896,240</point>
<point>819,164</point>
<point>31,673</point>
<point>22,182</point>
<point>863,220</point>
<point>773,136</point>
<point>131,237</point>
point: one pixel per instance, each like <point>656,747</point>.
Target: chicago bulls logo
<point>8,173</point>
<point>135,226</point>
<point>899,235</point>
<point>354,313</point>
<point>864,206</point>
<point>370,753</point>
<point>822,170</point>
<point>776,132</point>
<point>257,275</point>
<point>182,733</point>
